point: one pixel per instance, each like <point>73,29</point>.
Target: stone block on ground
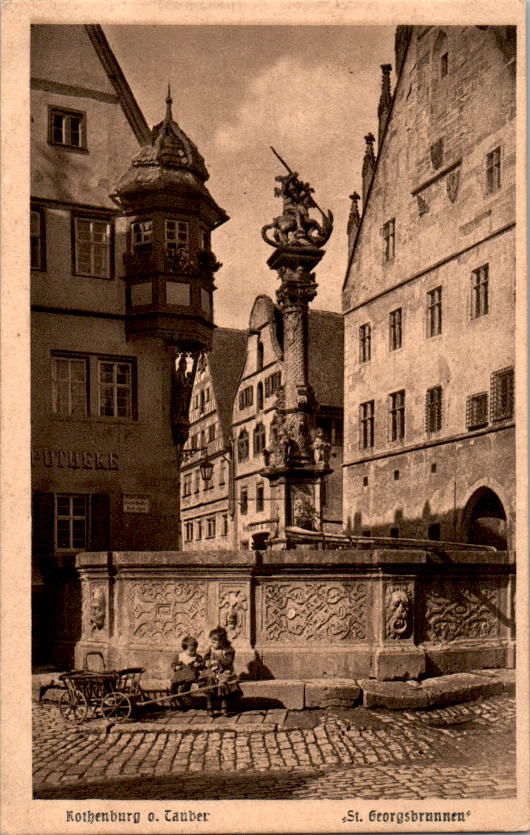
<point>394,695</point>
<point>334,692</point>
<point>399,663</point>
<point>460,687</point>
<point>287,693</point>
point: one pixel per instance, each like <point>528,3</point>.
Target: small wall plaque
<point>136,504</point>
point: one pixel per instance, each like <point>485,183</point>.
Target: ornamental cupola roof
<point>170,147</point>
<point>169,161</point>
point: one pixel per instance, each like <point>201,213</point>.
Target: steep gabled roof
<point>226,360</point>
<point>326,357</point>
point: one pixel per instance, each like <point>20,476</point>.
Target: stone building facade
<point>253,412</point>
<point>207,507</point>
<point>429,296</point>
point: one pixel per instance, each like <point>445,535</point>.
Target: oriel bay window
<point>177,236</point>
<point>142,235</point>
<point>92,247</point>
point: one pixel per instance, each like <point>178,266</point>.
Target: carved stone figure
<point>397,612</point>
<point>97,609</point>
<point>321,448</point>
<point>295,227</point>
<point>182,385</point>
<point>233,605</point>
<point>304,514</point>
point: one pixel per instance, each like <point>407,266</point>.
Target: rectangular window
<point>260,497</point>
<point>272,383</point>
<point>67,128</point>
<point>189,532</point>
<point>70,522</point>
<point>222,465</point>
<point>502,394</point>
<point>210,527</point>
<point>365,343</point>
<point>477,410</point>
<point>37,240</point>
<point>243,501</point>
<point>389,240</point>
<point>246,397</point>
<point>224,530</point>
<point>480,291</point>
<point>397,416</point>
<point>434,312</point>
<point>196,481</point>
<point>493,170</point>
<point>92,247</point>
<point>366,424</point>
<point>186,485</point>
<point>69,386</point>
<point>243,446</point>
<point>199,529</point>
<point>142,234</point>
<point>177,236</point>
<point>115,389</point>
<point>433,409</point>
<point>395,329</point>
<point>211,432</point>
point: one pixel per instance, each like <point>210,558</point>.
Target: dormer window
<point>177,236</point>
<point>142,235</point>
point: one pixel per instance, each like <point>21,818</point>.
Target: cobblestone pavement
<point>462,751</point>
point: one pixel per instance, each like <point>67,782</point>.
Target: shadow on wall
<point>482,522</point>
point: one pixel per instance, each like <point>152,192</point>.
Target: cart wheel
<point>116,706</point>
<point>73,706</point>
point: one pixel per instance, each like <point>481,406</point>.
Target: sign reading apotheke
<point>136,504</point>
<point>75,459</point>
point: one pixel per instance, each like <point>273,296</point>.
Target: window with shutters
<point>272,383</point>
<point>366,424</point>
<point>395,329</point>
<point>69,385</point>
<point>246,397</point>
<point>67,128</point>
<point>434,312</point>
<point>365,343</point>
<point>92,247</point>
<point>37,240</point>
<point>71,521</point>
<point>480,291</point>
<point>502,394</point>
<point>242,445</point>
<point>433,409</point>
<point>477,410</point>
<point>115,384</point>
<point>396,412</point>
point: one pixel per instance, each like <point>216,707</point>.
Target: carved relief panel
<point>313,611</point>
<point>234,610</point>
<point>161,611</point>
<point>399,611</point>
<point>458,609</point>
<point>95,610</point>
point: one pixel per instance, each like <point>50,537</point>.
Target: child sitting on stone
<point>186,666</point>
<point>219,671</point>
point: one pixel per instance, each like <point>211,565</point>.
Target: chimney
<point>368,165</point>
<point>385,101</point>
<point>401,41</point>
<point>353,221</point>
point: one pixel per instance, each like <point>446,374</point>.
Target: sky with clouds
<point>310,91</point>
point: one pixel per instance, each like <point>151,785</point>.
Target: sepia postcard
<point>264,426</point>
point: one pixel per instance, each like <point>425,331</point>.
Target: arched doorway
<point>485,519</point>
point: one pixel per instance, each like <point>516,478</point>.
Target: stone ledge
<point>436,692</point>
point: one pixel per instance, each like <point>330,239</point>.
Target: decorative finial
<point>355,197</point>
<point>369,139</point>
<point>169,102</point>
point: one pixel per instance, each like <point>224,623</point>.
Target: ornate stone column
<point>297,458</point>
